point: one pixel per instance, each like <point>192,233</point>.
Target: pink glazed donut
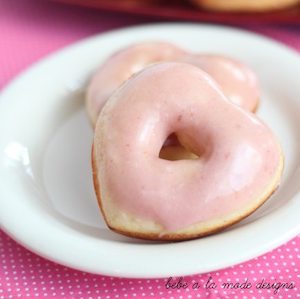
<point>237,81</point>
<point>141,195</point>
<point>120,66</point>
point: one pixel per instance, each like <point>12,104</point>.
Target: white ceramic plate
<point>47,198</point>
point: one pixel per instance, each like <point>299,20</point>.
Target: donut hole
<point>173,150</point>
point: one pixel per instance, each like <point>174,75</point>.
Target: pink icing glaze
<point>120,66</point>
<point>238,153</point>
<point>238,81</point>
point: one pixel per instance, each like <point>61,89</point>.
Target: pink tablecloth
<point>28,31</point>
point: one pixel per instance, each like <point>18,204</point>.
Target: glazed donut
<point>238,81</point>
<point>245,5</point>
<point>120,66</point>
<point>141,195</point>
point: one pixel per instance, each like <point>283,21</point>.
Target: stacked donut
<point>178,152</point>
<point>245,5</point>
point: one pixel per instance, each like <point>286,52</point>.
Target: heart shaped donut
<point>237,80</point>
<point>239,162</point>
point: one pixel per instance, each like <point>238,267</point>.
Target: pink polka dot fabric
<point>29,30</point>
<point>26,275</point>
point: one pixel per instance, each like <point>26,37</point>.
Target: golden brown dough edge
<point>245,6</point>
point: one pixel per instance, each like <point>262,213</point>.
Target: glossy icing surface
<point>238,81</point>
<point>238,153</point>
<point>120,66</point>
